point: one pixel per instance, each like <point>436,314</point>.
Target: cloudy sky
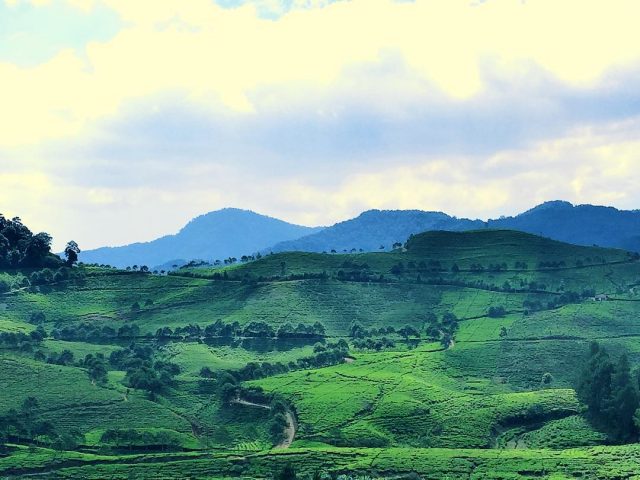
<point>120,120</point>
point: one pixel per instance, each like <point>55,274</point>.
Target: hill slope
<point>497,401</point>
<point>215,235</point>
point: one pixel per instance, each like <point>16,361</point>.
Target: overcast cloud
<point>122,119</point>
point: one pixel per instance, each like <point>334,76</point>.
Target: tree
<point>594,385</point>
<point>277,428</point>
<point>71,252</point>
<point>622,405</point>
<point>229,392</point>
<point>287,473</point>
<point>610,393</point>
<point>38,248</point>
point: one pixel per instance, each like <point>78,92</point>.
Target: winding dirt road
<point>290,429</point>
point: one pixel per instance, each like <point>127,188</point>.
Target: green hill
<point>458,354</point>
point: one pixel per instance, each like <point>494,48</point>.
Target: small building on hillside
<point>603,297</point>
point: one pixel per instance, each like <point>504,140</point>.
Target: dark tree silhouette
<point>71,252</point>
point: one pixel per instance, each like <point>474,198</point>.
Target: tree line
<point>442,330</point>
<point>21,248</point>
<point>254,329</point>
<point>324,356</point>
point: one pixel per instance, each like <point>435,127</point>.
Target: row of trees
<point>46,276</point>
<point>255,329</point>
<point>357,331</point>
<point>131,439</point>
<point>377,344</point>
<point>87,331</point>
<point>21,340</point>
<point>90,332</point>
<point>331,354</point>
<point>435,266</point>
<point>565,298</point>
<point>442,330</point>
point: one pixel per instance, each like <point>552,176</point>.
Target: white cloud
<point>583,167</point>
<point>327,110</point>
<point>214,54</point>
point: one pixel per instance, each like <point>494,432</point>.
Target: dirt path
<point>290,429</point>
<point>241,401</point>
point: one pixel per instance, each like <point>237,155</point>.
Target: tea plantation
<point>457,355</point>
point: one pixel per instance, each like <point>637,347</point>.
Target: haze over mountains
<point>232,232</point>
<point>220,234</point>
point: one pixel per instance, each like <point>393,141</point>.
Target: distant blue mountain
<point>229,232</point>
<point>559,220</point>
<point>234,232</point>
<point>578,224</point>
<point>375,228</point>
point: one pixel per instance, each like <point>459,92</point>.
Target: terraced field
<point>497,401</point>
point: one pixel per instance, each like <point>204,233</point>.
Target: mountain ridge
<point>583,224</point>
<point>372,230</point>
<point>213,235</point>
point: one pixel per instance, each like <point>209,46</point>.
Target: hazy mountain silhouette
<point>215,235</point>
<point>559,220</point>
<point>375,228</point>
<point>234,232</point>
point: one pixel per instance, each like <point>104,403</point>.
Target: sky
<point>120,120</point>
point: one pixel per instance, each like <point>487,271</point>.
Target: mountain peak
<point>228,232</point>
<point>549,205</point>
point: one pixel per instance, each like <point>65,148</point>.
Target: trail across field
<point>290,429</point>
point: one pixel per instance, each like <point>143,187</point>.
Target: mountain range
<point>233,232</point>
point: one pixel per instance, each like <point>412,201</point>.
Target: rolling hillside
<point>216,235</point>
<point>456,357</point>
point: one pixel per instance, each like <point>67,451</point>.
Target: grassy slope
<point>480,393</point>
<point>599,463</point>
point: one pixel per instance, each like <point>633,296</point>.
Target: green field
<point>497,401</point>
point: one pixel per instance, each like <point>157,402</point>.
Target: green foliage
<point>378,365</point>
<point>496,312</point>
<point>19,247</point>
<point>287,472</point>
<point>146,439</point>
<point>71,252</point>
<point>609,393</point>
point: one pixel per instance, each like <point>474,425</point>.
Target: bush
<point>496,312</point>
